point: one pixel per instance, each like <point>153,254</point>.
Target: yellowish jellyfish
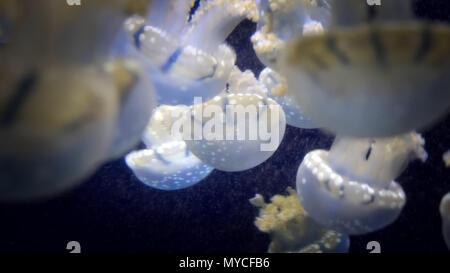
<point>56,127</point>
<point>351,188</point>
<point>292,230</point>
<point>359,79</point>
<point>58,107</point>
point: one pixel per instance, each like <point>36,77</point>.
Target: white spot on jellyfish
<point>365,199</point>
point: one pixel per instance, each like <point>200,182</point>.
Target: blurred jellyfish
<point>351,189</point>
<point>137,100</point>
<point>446,158</point>
<point>359,79</point>
<point>188,59</point>
<point>282,21</point>
<point>235,132</point>
<point>56,127</point>
<point>166,164</point>
<point>277,90</point>
<point>292,230</point>
<point>58,107</point>
<point>445,214</point>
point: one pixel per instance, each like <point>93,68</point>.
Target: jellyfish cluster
<point>160,74</point>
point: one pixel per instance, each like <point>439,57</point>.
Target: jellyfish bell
<point>292,230</point>
<point>136,100</point>
<point>445,214</point>
<point>235,132</point>
<point>170,166</point>
<point>351,189</point>
<point>187,59</point>
<point>277,90</point>
<point>358,78</point>
<point>56,128</point>
<point>166,163</point>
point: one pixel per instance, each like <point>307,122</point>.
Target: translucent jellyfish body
<point>445,214</point>
<point>56,127</point>
<point>351,189</point>
<point>282,21</point>
<point>292,230</point>
<point>277,90</point>
<point>360,79</point>
<point>166,164</point>
<point>137,100</point>
<point>446,158</point>
<point>235,132</point>
<point>187,59</point>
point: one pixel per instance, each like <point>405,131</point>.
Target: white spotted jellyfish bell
<point>351,188</point>
<point>359,79</point>
<point>188,59</point>
<point>445,214</point>
<point>166,163</point>
<point>236,131</point>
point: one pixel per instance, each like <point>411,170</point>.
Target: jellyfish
<point>56,127</point>
<point>277,90</point>
<point>59,107</point>
<point>282,21</point>
<point>236,131</point>
<point>359,79</point>
<point>351,188</point>
<point>292,230</point>
<point>188,59</point>
<point>445,214</point>
<point>166,163</point>
<point>446,158</point>
<point>137,101</point>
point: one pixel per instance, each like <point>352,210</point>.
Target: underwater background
<point>113,212</point>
